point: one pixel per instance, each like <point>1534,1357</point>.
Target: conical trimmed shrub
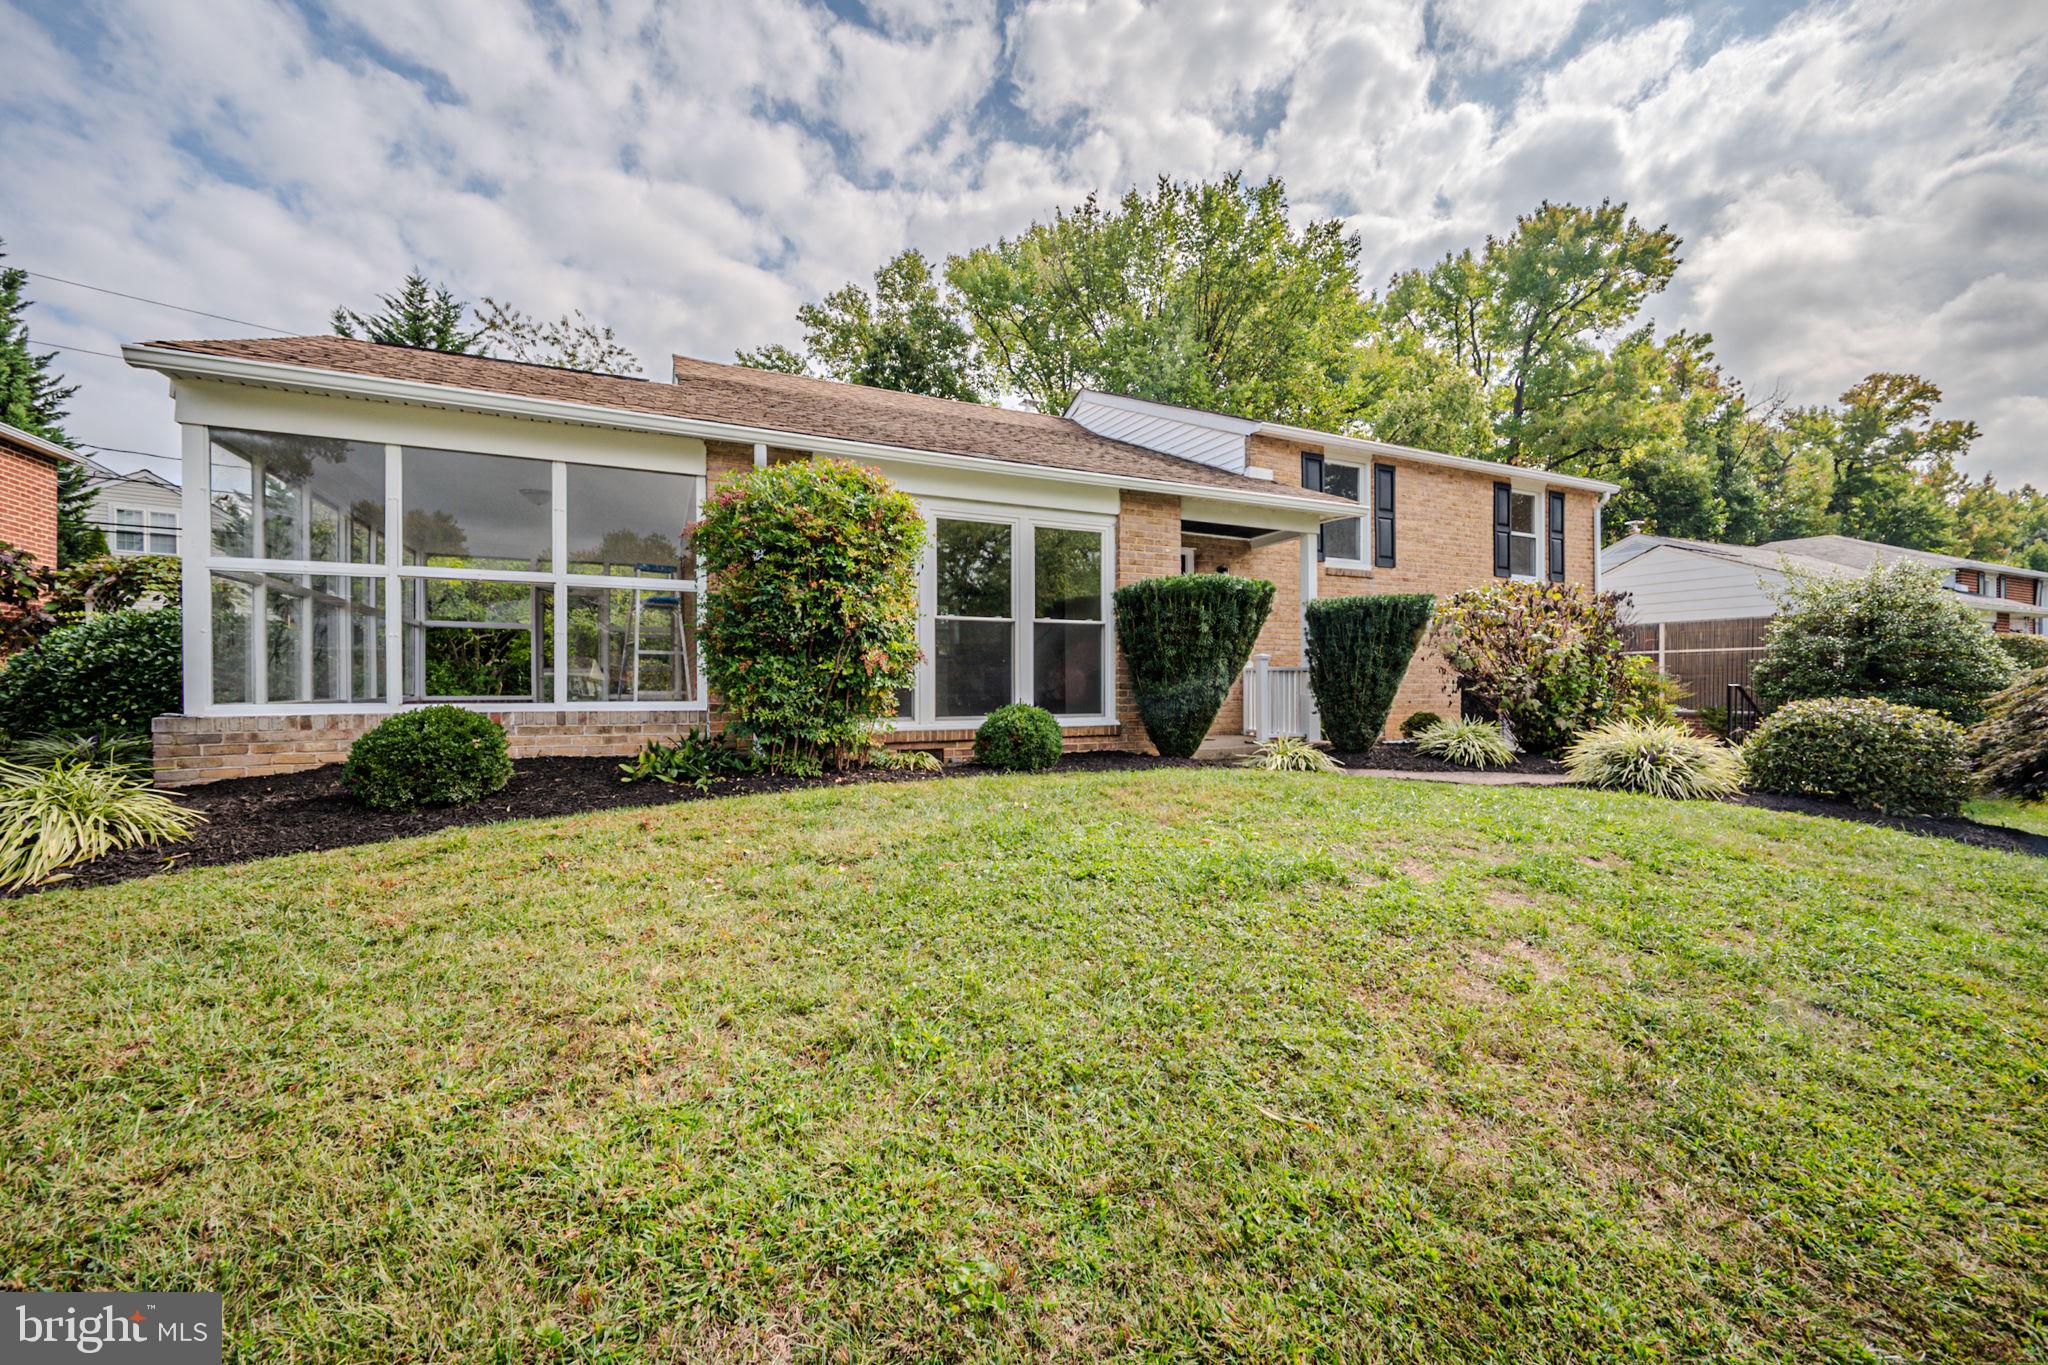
<point>1185,640</point>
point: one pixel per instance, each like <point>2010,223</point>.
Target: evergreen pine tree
<point>32,398</point>
<point>422,315</point>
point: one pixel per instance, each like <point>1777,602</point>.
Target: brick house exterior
<point>323,476</point>
<point>28,492</point>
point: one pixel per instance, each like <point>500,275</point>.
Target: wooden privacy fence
<point>1704,656</point>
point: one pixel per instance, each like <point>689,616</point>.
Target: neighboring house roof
<point>105,476</point>
<point>1867,554</point>
<point>1831,555</point>
<point>28,443</point>
<point>761,401</point>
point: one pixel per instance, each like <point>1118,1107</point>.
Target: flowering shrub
<point>1894,633</point>
<point>1545,657</point>
<point>2011,745</point>
<point>1898,759</point>
<point>810,619</point>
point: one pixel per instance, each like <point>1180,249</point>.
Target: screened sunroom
<point>343,574</point>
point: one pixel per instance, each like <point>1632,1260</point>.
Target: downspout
<point>1599,550</point>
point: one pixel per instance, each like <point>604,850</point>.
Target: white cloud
<point>1860,185</point>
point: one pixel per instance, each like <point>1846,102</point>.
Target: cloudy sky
<point>1859,185</point>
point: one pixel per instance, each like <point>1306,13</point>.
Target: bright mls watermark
<point>165,1329</point>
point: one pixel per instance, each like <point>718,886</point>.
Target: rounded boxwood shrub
<point>1894,633</point>
<point>1018,738</point>
<point>1419,724</point>
<point>435,756</point>
<point>108,675</point>
<point>1358,652</point>
<point>2011,745</point>
<point>1657,758</point>
<point>810,618</point>
<point>1901,760</point>
<point>1185,640</point>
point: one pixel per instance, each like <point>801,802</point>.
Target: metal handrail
<point>1743,710</point>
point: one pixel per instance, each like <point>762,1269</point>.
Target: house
<point>1700,608</point>
<point>369,526</point>
<point>138,512</point>
<point>28,492</point>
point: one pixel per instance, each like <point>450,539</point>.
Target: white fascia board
<point>40,446</point>
<point>200,365</point>
<point>1194,417</point>
<point>1361,446</point>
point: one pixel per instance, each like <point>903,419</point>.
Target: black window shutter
<point>1383,516</point>
<point>1555,526</point>
<point>1312,480</point>
<point>1503,511</point>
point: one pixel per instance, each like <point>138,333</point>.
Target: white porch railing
<point>1277,701</point>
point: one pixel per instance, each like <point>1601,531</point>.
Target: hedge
<point>1358,652</point>
<point>1185,641</point>
<point>111,674</point>
<point>1902,760</point>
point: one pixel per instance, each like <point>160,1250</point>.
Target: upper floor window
<point>1344,541</point>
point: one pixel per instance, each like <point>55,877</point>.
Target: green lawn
<point>1167,1064</point>
<point>2027,815</point>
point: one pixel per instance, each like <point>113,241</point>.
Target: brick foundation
<point>195,749</point>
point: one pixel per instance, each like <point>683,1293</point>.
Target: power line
<point>124,450</point>
<point>175,307</point>
<point>82,350</point>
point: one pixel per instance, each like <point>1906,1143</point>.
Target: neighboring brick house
<point>358,515</point>
<point>28,492</point>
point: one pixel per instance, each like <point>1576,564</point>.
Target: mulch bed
<point>1403,758</point>
<point>1955,827</point>
<point>263,817</point>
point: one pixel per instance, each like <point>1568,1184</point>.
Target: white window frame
<point>160,525</point>
<point>1023,524</point>
<point>1541,536</point>
<point>138,527</point>
<point>201,563</point>
<point>1363,560</point>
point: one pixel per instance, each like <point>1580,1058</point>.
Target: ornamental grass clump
<point>1655,758</point>
<point>1185,640</point>
<point>1419,723</point>
<point>1358,652</point>
<point>1291,754</point>
<point>435,756</point>
<point>810,617</point>
<point>2010,746</point>
<point>1467,743</point>
<point>68,813</point>
<point>1900,760</point>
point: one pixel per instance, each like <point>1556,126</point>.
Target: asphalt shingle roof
<point>707,391</point>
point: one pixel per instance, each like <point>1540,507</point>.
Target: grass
<point>1174,1065</point>
<point>2027,815</point>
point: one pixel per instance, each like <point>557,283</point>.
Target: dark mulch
<point>1954,827</point>
<point>1403,758</point>
<point>263,817</point>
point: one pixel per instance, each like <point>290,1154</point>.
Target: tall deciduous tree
<point>1526,315</point>
<point>422,315</point>
<point>1200,294</point>
<point>32,398</point>
<point>905,336</point>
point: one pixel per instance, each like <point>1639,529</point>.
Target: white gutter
<point>39,445</point>
<point>1358,445</point>
<point>201,365</point>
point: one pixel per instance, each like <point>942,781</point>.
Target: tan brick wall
<point>195,749</point>
<point>1444,536</point>
<point>28,505</point>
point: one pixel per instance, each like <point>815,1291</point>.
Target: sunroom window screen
<point>1067,629</point>
<point>974,634</point>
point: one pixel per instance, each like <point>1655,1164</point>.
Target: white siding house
<point>138,512</point>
